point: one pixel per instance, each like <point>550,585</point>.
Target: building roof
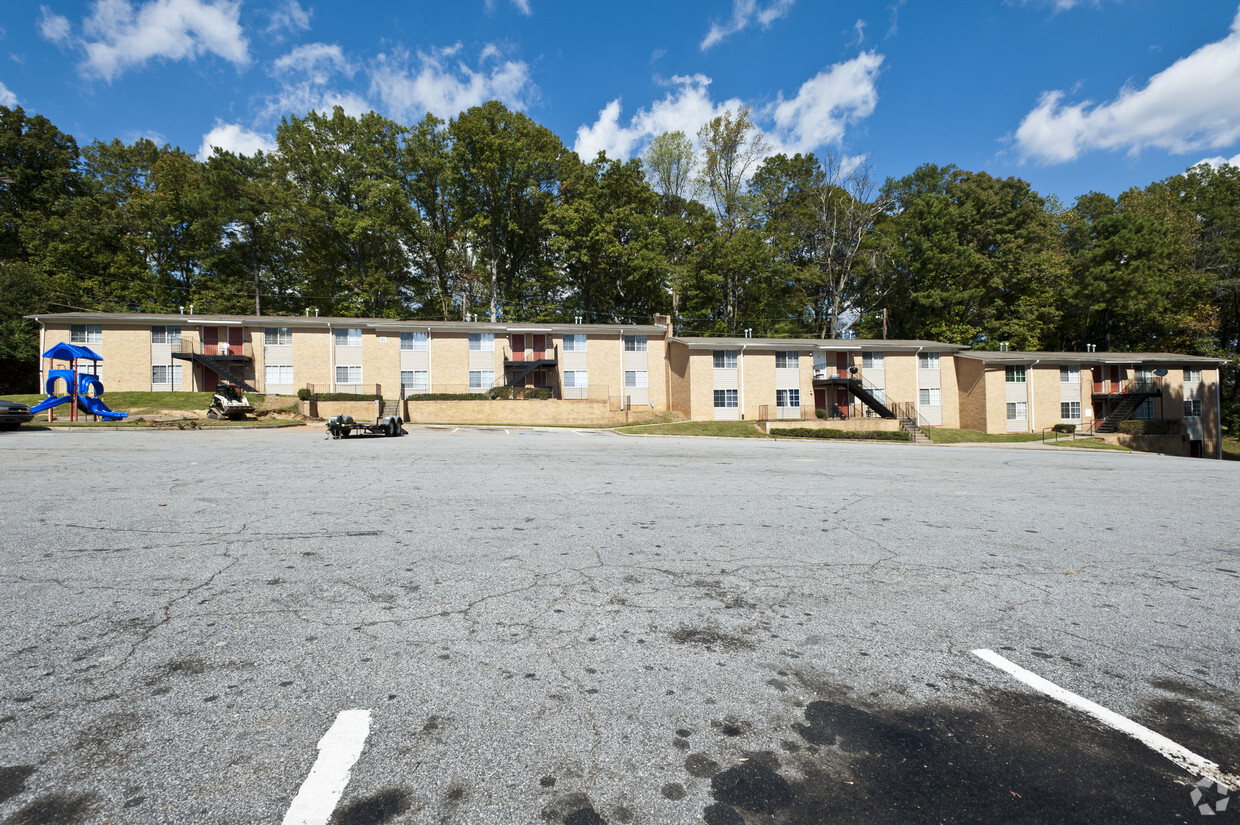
<point>1087,358</point>
<point>827,344</point>
<point>321,321</point>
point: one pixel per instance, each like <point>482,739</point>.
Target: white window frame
<point>1017,411</point>
<point>873,361</point>
<point>928,360</point>
<point>930,396</point>
<point>482,342</point>
<point>348,337</point>
<point>481,380</point>
<point>724,359</point>
<point>635,343</point>
<point>165,335</point>
<point>409,380</point>
<point>1070,410</point>
<point>791,360</point>
<point>730,399</point>
<point>349,373</point>
<point>1015,374</point>
<point>1192,408</point>
<point>281,377</point>
<point>788,398</point>
<point>85,333</point>
<point>636,378</point>
<point>172,372</point>
<point>575,342</point>
<point>277,336</point>
<point>576,379</point>
<point>415,341</point>
<point>1069,375</point>
<point>1192,376</point>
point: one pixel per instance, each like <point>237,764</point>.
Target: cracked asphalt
<point>578,627</point>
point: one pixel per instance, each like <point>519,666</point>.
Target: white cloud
<point>307,76</point>
<point>55,28</point>
<point>235,138</point>
<point>1193,104</point>
<point>745,13</point>
<point>523,6</point>
<point>438,83</point>
<point>685,108</point>
<point>117,36</point>
<point>289,17</point>
<point>7,98</point>
<point>823,108</point>
<point>1216,162</point>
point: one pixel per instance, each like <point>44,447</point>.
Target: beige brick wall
<point>381,360</point>
<point>312,358</point>
<point>702,385</point>
<point>656,355</point>
<point>951,395</point>
<point>971,394</point>
<point>126,353</point>
<point>901,376</point>
<point>449,352</point>
<point>680,391</point>
<point>758,383</point>
<point>1044,384</point>
<point>604,363</point>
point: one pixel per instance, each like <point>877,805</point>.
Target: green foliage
<point>1153,426</point>
<point>520,393</point>
<point>450,396</point>
<point>847,435</point>
<point>1063,428</point>
<point>304,394</point>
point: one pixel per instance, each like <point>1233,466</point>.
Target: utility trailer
<point>342,426</point>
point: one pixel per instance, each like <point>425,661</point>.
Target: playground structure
<point>83,391</point>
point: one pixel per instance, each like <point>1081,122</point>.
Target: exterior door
<point>235,340</point>
<point>210,341</point>
<point>841,365</point>
<point>1114,379</point>
<point>1097,373</point>
<point>518,347</point>
<point>540,347</point>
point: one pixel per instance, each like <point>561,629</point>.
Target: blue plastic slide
<point>49,402</point>
<point>95,406</point>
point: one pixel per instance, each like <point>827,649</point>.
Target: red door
<point>540,347</point>
<point>841,365</point>
<point>235,340</point>
<point>1097,372</point>
<point>210,340</point>
<point>1114,379</point>
<point>518,347</point>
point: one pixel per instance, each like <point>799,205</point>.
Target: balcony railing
<point>220,349</point>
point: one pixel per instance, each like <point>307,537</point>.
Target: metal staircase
<point>1133,395</point>
<point>228,367</point>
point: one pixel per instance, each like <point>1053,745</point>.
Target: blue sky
<point>1071,95</point>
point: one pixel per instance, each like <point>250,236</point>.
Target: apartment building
<point>927,382</point>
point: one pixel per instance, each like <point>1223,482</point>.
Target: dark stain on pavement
<point>13,780</point>
<point>1189,725</point>
<point>710,638</point>
<point>56,809</point>
<point>572,809</point>
<point>376,809</point>
<point>701,766</point>
<point>1009,757</point>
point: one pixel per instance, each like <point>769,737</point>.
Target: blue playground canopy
<point>68,352</point>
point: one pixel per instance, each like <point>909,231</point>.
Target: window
<point>416,341</point>
<point>636,378</point>
<point>482,341</point>
<point>1145,411</point>
<point>1192,376</point>
<point>1070,410</point>
<point>165,373</point>
<point>1014,374</point>
<point>725,359</point>
<point>481,379</point>
<point>1192,407</point>
<point>635,343</point>
<point>787,398</point>
<point>574,343</point>
<point>875,360</point>
<point>1143,375</point>
<point>278,374</point>
<point>1069,375</point>
<point>85,334</point>
<point>575,379</point>
<point>928,360</point>
<point>1017,411</point>
<point>931,396</point>
<point>165,335</point>
<point>787,360</point>
<point>349,374</point>
<point>414,380</point>
<point>725,399</point>
<point>278,336</point>
<point>348,338</point>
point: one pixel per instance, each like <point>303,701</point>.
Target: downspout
<point>1032,427</point>
<point>43,349</point>
<point>623,388</point>
<point>331,358</point>
<point>1218,408</point>
<point>917,386</point>
<point>429,368</point>
<point>740,379</point>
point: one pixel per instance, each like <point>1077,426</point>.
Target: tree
<point>508,172</point>
<point>433,225</point>
<point>671,160</point>
<point>732,147</point>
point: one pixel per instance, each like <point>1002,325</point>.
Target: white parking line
<point>1180,755</point>
<point>339,749</point>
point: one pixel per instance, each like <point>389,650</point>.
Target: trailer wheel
<point>333,430</point>
<point>393,429</point>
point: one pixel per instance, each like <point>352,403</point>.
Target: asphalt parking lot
<point>557,626</point>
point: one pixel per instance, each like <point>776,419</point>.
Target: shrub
<point>450,396</point>
<point>1153,426</point>
<point>342,396</point>
<point>849,435</point>
<point>1064,428</point>
<point>820,412</point>
<point>519,393</point>
<point>303,394</point>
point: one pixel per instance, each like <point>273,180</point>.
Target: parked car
<point>13,414</point>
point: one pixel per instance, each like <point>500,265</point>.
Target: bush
<point>303,394</point>
<point>848,435</point>
<point>1064,428</point>
<point>820,412</point>
<point>1153,426</point>
<point>450,396</point>
<point>519,393</point>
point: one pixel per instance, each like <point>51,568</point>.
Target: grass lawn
<point>726,429</point>
<point>947,435</point>
<point>1231,449</point>
<point>141,403</point>
<point>1089,444</point>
